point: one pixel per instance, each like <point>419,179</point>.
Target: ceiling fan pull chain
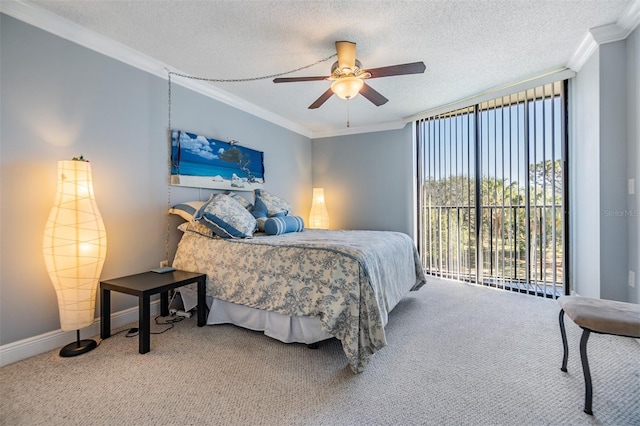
<point>348,117</point>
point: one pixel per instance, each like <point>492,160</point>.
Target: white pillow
<point>197,228</point>
<point>226,217</point>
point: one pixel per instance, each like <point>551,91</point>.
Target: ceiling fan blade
<point>346,51</point>
<point>402,69</point>
<point>373,95</point>
<point>322,99</point>
<point>297,79</point>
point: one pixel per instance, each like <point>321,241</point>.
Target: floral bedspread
<point>348,279</point>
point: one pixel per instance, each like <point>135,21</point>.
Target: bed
<point>305,286</point>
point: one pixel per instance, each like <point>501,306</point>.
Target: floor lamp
<point>318,216</point>
<point>74,248</point>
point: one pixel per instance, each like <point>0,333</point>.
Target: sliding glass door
<point>493,191</point>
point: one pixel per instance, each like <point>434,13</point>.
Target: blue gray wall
<point>603,156</point>
<point>61,100</point>
<point>367,179</point>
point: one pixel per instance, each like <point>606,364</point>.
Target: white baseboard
<point>46,342</point>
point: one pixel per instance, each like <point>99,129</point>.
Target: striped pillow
<point>186,210</point>
<point>282,224</point>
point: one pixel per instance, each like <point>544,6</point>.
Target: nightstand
<point>144,286</point>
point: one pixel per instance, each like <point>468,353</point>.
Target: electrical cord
<point>242,80</point>
<point>116,333</point>
<point>133,332</point>
<point>170,322</point>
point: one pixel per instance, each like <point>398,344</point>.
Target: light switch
<point>632,186</point>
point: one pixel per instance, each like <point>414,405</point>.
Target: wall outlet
<point>632,186</point>
<point>164,263</point>
<point>632,279</point>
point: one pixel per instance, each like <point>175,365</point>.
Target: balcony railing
<point>521,248</point>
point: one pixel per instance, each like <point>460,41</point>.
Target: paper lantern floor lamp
<point>318,216</point>
<point>74,248</point>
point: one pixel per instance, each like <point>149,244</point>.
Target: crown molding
<point>64,28</point>
<point>592,40</point>
<point>605,34</point>
<point>496,92</point>
<point>586,48</point>
<point>379,127</point>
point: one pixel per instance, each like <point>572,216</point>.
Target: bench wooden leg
<point>564,342</point>
<point>588,391</point>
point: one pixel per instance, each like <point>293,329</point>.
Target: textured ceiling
<point>468,46</point>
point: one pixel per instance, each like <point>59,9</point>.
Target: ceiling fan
<point>348,76</point>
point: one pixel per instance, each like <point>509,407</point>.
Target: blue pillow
<point>268,205</point>
<point>259,209</point>
<point>226,217</point>
<point>282,224</point>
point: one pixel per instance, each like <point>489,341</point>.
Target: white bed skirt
<point>297,329</point>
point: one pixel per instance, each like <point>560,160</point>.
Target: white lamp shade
<point>318,216</point>
<point>75,245</point>
<point>347,87</point>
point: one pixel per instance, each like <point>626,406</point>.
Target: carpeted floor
<point>457,354</point>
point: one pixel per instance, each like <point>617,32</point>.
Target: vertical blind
<point>493,191</point>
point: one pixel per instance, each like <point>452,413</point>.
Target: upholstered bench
<point>597,316</point>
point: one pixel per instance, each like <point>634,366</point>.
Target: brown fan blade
<point>322,99</point>
<point>346,51</point>
<point>297,79</point>
<point>373,95</point>
<point>402,69</point>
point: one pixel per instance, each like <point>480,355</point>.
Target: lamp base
<point>78,347</point>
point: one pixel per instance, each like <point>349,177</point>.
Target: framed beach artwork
<point>201,162</point>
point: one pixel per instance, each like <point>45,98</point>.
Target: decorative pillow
<point>226,217</point>
<point>186,210</point>
<point>239,198</point>
<point>268,205</point>
<point>260,221</point>
<point>197,228</point>
<point>283,224</point>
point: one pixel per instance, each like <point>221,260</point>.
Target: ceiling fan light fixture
<point>347,77</point>
<point>347,87</point>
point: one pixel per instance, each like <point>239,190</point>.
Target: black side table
<point>144,286</point>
